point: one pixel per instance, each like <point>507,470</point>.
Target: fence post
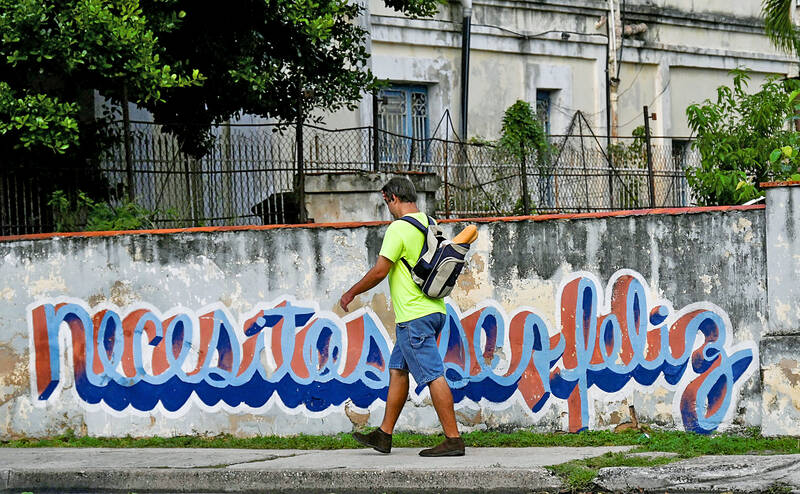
<point>526,199</point>
<point>585,171</point>
<point>411,155</point>
<point>301,179</point>
<point>446,182</point>
<point>126,134</point>
<point>649,157</point>
<point>189,201</point>
<point>375,141</point>
<point>198,199</point>
<point>227,180</point>
<point>611,173</point>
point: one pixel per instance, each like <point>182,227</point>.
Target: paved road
<point>43,470</point>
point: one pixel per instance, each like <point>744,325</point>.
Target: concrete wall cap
<point>366,181</point>
<point>787,183</point>
<point>537,218</point>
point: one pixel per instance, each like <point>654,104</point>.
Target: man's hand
<point>374,276</point>
<point>346,299</point>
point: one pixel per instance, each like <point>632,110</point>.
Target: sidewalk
<point>40,470</point>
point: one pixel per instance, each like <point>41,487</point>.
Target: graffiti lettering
<point>605,342</point>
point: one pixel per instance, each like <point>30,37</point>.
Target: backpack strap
<point>419,226</point>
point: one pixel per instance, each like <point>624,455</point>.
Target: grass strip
<point>577,475</point>
<point>686,444</point>
<point>476,439</point>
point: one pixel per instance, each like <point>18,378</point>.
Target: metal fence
<point>251,175</point>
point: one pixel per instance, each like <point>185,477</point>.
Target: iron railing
<point>250,175</point>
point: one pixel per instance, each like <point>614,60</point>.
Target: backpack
<point>440,261</point>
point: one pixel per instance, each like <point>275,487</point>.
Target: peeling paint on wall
<point>517,265</point>
<point>781,388</point>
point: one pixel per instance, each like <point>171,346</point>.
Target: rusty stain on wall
<point>14,374</point>
<point>779,384</point>
<point>358,417</point>
<point>382,307</point>
<point>791,370</point>
<point>96,299</point>
<point>122,293</point>
<point>469,417</point>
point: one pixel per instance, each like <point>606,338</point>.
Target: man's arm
<point>375,275</point>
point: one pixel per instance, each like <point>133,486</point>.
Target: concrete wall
<point>557,324</point>
<point>780,347</point>
<point>348,197</point>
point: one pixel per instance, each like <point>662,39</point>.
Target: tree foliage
<point>736,137</point>
<point>523,140</point>
<point>192,63</point>
<point>522,134</point>
<point>51,52</point>
<point>79,212</point>
<point>280,59</point>
<point>779,26</point>
<point>628,187</point>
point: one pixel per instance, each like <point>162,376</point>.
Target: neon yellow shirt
<point>402,239</point>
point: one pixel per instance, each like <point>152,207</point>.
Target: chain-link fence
<point>573,177</point>
<point>251,175</point>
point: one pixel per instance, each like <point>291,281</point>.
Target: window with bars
<point>543,109</point>
<point>403,114</point>
<point>545,197</point>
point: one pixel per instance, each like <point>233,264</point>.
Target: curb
<point>218,480</point>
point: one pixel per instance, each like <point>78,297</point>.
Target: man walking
<point>419,320</point>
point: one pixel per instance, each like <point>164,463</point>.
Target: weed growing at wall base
<point>578,475</point>
<point>686,444</point>
<point>81,212</point>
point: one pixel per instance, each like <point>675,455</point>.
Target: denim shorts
<point>415,350</point>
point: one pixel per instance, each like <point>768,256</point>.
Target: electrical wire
<point>510,31</point>
<point>563,109</point>
<point>635,77</point>
<point>651,103</point>
<point>573,110</point>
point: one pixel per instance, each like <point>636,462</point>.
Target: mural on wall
<point>293,355</point>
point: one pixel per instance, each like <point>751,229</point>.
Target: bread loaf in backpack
<point>467,235</point>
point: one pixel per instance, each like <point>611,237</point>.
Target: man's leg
<point>395,399</point>
<point>381,438</point>
<point>443,404</point>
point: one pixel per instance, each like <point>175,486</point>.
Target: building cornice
<point>446,34</point>
<point>649,14</point>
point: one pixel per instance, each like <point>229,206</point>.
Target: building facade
<point>555,53</point>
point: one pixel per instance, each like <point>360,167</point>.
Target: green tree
<point>280,59</point>
<point>524,140</point>
<point>779,26</point>
<point>193,63</point>
<point>737,135</point>
<point>52,52</point>
<point>53,55</point>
